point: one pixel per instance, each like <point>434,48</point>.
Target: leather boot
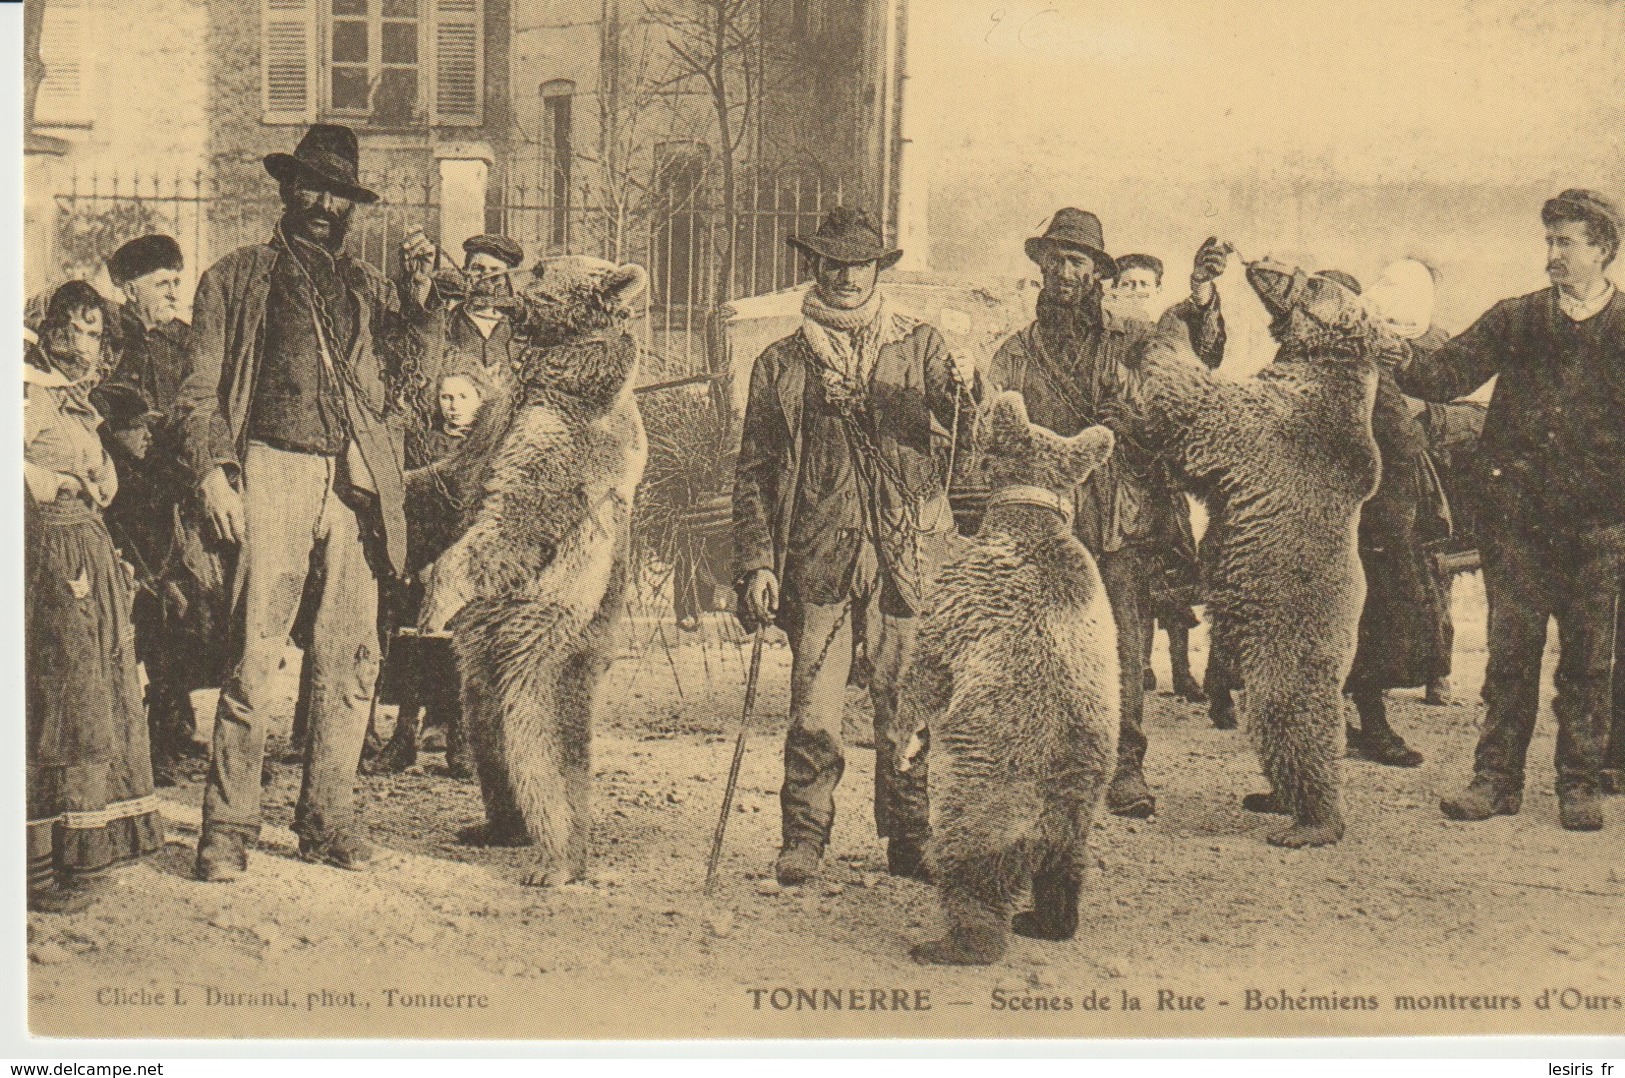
<point>797,863</point>
<point>1484,797</point>
<point>222,855</point>
<point>1580,810</point>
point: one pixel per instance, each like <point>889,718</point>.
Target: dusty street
<point>1190,910</point>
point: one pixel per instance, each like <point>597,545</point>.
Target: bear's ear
<point>627,283</point>
<point>1009,419</point>
<point>1084,452</point>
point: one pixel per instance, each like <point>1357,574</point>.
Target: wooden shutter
<point>288,61</point>
<point>63,50</point>
<point>457,72</point>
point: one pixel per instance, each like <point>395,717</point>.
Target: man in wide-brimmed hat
<point>840,510</point>
<point>1554,523</point>
<point>1068,365</point>
<point>291,442</point>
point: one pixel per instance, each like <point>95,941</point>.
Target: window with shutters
<point>381,63</point>
<point>66,52</point>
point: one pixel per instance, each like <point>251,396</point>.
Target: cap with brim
<point>1590,205</point>
<point>497,247</point>
<point>847,235</point>
<point>122,406</point>
<point>326,159</point>
<point>1078,230</point>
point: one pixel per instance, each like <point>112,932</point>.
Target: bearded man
<point>1069,367</point>
<point>289,438</point>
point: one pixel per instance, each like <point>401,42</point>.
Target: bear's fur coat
<point>533,588</point>
<point>1016,684</point>
<point>1289,458</point>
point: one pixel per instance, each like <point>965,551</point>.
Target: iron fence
<point>98,213</point>
<point>698,253</point>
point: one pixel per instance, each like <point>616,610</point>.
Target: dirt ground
<point>1191,914</point>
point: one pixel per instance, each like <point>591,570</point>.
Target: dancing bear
<point>536,584</point>
<point>1284,460</point>
<point>1015,684</point>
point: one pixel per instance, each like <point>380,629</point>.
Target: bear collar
<point>1044,499</point>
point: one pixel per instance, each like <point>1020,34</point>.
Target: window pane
<point>349,7</point>
<point>350,89</point>
<point>400,9</point>
<point>349,43</point>
<point>400,42</point>
<point>396,102</point>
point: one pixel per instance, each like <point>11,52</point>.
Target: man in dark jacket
<point>840,512</point>
<point>1069,365</point>
<point>1554,542</point>
<point>152,342</point>
<point>289,438</point>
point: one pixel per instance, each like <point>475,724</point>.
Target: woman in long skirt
<point>90,803</point>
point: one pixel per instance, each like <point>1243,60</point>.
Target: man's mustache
<point>1556,267</point>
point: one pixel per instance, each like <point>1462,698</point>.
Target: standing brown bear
<point>1016,684</point>
<point>536,584</point>
<point>1284,460</point>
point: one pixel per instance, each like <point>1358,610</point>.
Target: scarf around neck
<point>846,342</point>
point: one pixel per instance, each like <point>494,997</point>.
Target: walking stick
<point>739,757</point>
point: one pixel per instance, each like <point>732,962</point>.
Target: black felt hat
<point>847,235</point>
<point>326,159</point>
<point>1079,229</point>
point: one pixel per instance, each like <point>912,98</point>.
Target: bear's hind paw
<point>550,876</point>
<point>951,952</point>
<point>1301,835</point>
<point>1035,927</point>
<point>1270,802</point>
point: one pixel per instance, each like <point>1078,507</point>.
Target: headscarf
<point>1402,298</point>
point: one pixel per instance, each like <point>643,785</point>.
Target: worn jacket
<point>1119,504</point>
<point>910,418</point>
<point>1553,446</point>
<point>228,320</point>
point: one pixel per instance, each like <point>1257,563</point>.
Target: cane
<point>953,437</point>
<point>739,757</point>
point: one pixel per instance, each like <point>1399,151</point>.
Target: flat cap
<point>1588,205</point>
<point>497,246</point>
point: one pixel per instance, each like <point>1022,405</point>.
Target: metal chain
<point>339,363</point>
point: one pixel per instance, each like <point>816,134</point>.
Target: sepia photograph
<point>588,520</point>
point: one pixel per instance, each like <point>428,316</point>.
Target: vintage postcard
<point>632,519</point>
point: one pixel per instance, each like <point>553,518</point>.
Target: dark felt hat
<point>1078,229</point>
<point>326,159</point>
<point>142,256</point>
<point>497,246</point>
<point>847,235</point>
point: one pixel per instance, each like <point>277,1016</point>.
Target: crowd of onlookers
<point>198,493</point>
